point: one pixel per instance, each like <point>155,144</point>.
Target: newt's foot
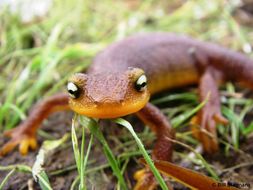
<point>146,180</point>
<point>21,137</point>
<point>204,127</point>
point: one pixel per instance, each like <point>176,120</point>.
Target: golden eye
<point>141,83</point>
<point>73,90</point>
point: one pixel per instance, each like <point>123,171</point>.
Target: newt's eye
<point>141,83</point>
<point>73,90</point>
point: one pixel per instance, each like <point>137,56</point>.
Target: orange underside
<point>110,111</point>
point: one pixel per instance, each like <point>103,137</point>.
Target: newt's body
<point>115,86</point>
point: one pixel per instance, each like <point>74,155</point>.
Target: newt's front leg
<point>25,134</point>
<point>155,119</point>
<point>210,115</point>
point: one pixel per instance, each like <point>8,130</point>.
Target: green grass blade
<point>75,146</point>
<point>88,152</point>
<point>94,129</point>
<point>149,161</point>
<point>177,121</point>
<point>200,157</point>
<point>82,179</point>
<point>248,130</point>
<point>6,178</point>
<point>18,167</point>
<point>45,151</point>
<point>172,97</point>
<point>236,124</point>
<point>44,181</point>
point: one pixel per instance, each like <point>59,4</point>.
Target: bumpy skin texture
<point>168,60</point>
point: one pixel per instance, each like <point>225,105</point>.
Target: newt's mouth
<point>107,110</point>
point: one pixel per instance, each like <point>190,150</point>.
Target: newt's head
<point>108,94</point>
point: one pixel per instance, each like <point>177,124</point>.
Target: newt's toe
<point>220,119</point>
<point>19,136</point>
<point>27,143</point>
<point>194,123</point>
<point>145,180</point>
<point>8,133</point>
<point>204,129</point>
<point>8,147</point>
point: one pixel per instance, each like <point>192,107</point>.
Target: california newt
<point>123,76</point>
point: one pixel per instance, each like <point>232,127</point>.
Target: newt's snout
<point>108,95</point>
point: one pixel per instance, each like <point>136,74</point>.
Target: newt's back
<point>165,58</point>
<point>171,60</point>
